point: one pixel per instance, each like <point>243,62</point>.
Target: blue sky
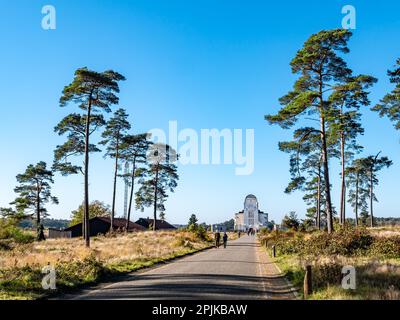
<point>205,64</point>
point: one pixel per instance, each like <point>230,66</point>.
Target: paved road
<point>239,272</point>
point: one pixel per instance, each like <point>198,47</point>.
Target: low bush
<point>327,274</point>
<point>9,231</point>
<point>199,231</point>
<point>75,273</point>
<point>386,247</point>
<point>346,241</point>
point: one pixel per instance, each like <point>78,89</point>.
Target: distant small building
<point>102,225</point>
<point>251,217</point>
<point>160,224</point>
<point>54,233</point>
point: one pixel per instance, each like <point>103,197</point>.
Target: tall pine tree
<point>321,71</point>
<point>93,92</point>
<point>134,152</point>
<point>160,177</point>
<point>113,135</point>
<point>346,125</point>
<point>34,191</point>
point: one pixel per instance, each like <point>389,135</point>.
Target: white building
<point>251,216</point>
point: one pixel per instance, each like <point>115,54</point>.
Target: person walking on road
<point>225,239</point>
<point>217,239</point>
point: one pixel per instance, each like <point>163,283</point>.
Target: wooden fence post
<point>273,251</point>
<point>307,282</point>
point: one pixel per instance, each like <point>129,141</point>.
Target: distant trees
<point>134,152</point>
<point>291,221</point>
<point>193,222</point>
<point>362,181</point>
<point>34,191</point>
<point>96,209</point>
<point>93,92</point>
<point>306,169</point>
<point>159,177</point>
<point>115,131</point>
<point>346,124</point>
<point>373,165</point>
<point>357,183</point>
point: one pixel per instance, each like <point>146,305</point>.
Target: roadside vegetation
<point>76,265</point>
<point>374,253</point>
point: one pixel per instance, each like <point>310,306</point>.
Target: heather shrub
<point>290,246</point>
<point>327,274</point>
<point>386,247</point>
<point>345,241</point>
<point>88,270</point>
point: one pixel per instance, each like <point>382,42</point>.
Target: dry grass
<point>110,250</point>
<point>386,232</point>
<point>377,269</point>
<point>376,279</point>
<point>76,265</point>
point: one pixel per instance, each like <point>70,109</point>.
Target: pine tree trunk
<point>132,192</point>
<point>326,177</point>
<point>371,196</point>
<point>155,200</point>
<point>86,174</point>
<point>357,187</point>
<point>38,212</point>
<point>114,187</point>
<point>343,186</point>
<point>83,221</point>
<point>319,199</point>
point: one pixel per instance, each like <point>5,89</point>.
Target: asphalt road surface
<point>242,271</point>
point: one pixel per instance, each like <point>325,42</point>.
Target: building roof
<point>251,196</point>
<point>160,224</point>
<point>119,223</point>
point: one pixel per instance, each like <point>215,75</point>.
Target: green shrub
<point>345,241</point>
<point>8,231</point>
<point>386,247</point>
<point>290,246</point>
<point>327,274</point>
<point>70,274</point>
<point>202,234</point>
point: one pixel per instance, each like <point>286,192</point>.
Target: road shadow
<point>224,261</point>
<point>238,244</point>
<point>194,287</point>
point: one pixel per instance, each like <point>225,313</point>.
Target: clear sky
<point>206,64</point>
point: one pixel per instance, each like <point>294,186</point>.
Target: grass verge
<point>77,267</point>
<point>375,279</point>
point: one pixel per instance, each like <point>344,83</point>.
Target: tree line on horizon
<point>151,165</point>
<point>328,93</point>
